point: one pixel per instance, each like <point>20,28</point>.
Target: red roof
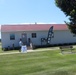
<point>32,27</point>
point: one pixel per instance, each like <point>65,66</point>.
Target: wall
<point>36,41</point>
<point>5,39</point>
<point>63,37</point>
<point>59,37</point>
<point>40,34</point>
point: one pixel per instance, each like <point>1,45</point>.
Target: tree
<point>69,9</point>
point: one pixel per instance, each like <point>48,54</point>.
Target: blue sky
<point>30,11</point>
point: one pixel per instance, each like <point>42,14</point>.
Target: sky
<point>30,11</point>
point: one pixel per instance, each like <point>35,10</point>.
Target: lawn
<point>38,63</point>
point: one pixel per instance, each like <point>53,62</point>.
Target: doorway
<point>24,38</point>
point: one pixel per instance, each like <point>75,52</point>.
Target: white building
<point>11,34</point>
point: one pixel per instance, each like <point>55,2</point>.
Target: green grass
<point>38,63</point>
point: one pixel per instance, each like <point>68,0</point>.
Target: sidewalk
<point>28,51</point>
<point>21,52</point>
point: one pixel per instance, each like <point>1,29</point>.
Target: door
<point>24,38</point>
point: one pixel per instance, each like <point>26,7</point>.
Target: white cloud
<point>43,23</point>
<point>53,23</point>
<point>48,23</point>
<point>31,23</point>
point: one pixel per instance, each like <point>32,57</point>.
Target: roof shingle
<point>32,27</point>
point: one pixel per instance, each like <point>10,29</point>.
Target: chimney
<point>35,22</point>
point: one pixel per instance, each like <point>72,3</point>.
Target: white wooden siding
<point>59,37</point>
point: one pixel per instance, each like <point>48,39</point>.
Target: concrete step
<point>29,48</point>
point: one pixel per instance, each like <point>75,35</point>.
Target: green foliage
<point>69,8</point>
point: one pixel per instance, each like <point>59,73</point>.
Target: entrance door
<point>24,38</point>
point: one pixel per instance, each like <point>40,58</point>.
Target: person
<point>20,44</point>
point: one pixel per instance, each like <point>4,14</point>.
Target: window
<point>12,36</point>
<point>33,35</point>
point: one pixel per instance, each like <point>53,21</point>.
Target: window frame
<point>34,35</point>
<point>12,36</point>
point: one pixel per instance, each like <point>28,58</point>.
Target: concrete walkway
<point>29,51</point>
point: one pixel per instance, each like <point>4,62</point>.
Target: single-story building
<point>11,34</point>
